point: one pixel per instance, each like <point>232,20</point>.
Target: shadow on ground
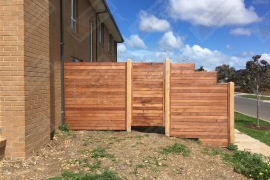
<point>149,129</point>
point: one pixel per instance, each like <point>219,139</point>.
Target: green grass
<point>176,149</point>
<point>105,175</point>
<point>253,166</point>
<point>100,152</point>
<point>262,135</point>
<point>254,97</point>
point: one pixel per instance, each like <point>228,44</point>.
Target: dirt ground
<point>134,155</point>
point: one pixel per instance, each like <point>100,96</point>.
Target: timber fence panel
<point>148,94</point>
<point>95,96</point>
<point>199,106</point>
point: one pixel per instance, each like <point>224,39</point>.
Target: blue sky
<point>205,32</point>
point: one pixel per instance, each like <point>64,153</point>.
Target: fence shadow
<point>149,129</point>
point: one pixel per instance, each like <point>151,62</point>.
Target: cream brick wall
<point>30,67</point>
<point>12,94</point>
<point>37,74</point>
<point>55,64</point>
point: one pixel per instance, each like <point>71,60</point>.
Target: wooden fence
<point>116,96</point>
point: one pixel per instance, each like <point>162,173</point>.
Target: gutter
<point>113,20</point>
<point>62,62</point>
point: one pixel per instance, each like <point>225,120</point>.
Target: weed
<point>100,152</point>
<point>254,166</point>
<point>232,147</point>
<point>251,165</point>
<point>94,166</point>
<point>64,127</point>
<point>105,175</point>
<point>139,166</point>
<point>176,149</point>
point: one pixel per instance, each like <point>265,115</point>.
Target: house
<point>37,37</point>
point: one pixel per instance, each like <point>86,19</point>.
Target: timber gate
<point>116,96</point>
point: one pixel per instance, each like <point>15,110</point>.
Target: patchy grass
<point>176,149</point>
<point>100,152</point>
<point>262,135</point>
<point>265,98</point>
<point>109,175</point>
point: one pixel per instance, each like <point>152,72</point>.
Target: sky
<point>208,33</point>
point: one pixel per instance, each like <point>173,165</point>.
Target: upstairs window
<point>73,15</point>
<point>101,32</point>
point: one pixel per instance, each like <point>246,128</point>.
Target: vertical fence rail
<point>129,95</point>
<point>231,112</point>
<point>167,97</point>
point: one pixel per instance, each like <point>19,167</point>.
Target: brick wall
<point>37,74</point>
<point>30,63</point>
<point>12,94</point>
<point>55,61</point>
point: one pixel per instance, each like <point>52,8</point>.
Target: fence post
<point>129,95</point>
<point>231,112</point>
<point>167,97</point>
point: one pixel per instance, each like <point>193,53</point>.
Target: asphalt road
<point>248,106</point>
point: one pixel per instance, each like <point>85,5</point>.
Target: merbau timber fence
<point>117,96</point>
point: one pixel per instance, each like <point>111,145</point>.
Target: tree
<point>225,73</point>
<point>201,69</point>
<point>256,77</point>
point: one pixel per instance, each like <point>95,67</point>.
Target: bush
<point>251,165</point>
<point>232,147</point>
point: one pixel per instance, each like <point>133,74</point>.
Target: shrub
<point>232,147</point>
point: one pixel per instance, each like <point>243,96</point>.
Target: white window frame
<point>91,40</point>
<point>100,32</point>
<point>73,15</point>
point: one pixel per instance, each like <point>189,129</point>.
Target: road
<point>248,106</point>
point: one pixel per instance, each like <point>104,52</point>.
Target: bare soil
<point>134,155</point>
<point>253,126</point>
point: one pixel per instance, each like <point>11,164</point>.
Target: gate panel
<point>95,96</point>
<point>148,94</point>
<point>199,107</point>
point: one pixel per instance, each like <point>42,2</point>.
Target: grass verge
<point>254,97</point>
<point>262,135</point>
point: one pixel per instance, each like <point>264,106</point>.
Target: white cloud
<point>240,31</point>
<point>170,41</point>
<point>150,23</point>
<point>212,12</point>
<point>121,48</point>
<point>135,42</point>
<point>209,59</point>
<point>266,57</point>
<point>205,57</point>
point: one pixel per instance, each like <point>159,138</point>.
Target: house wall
<point>37,74</point>
<point>12,91</point>
<point>104,55</point>
<point>30,62</point>
<point>55,65</point>
<point>77,44</point>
